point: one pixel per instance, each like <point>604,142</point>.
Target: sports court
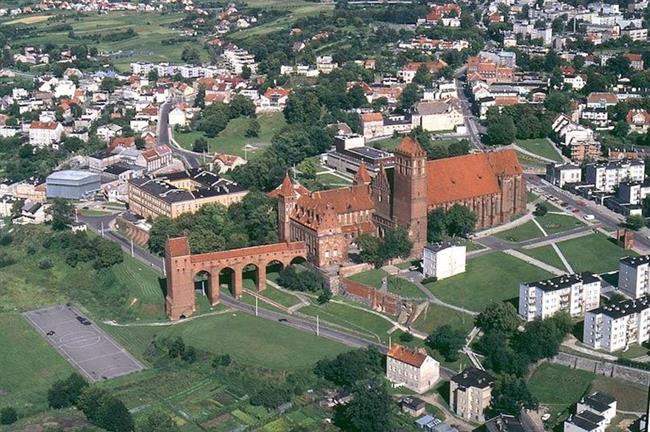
<point>87,347</point>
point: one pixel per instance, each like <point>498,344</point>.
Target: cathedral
<point>491,184</point>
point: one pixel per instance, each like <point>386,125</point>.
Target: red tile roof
<point>43,125</point>
<point>372,117</point>
<point>407,356</point>
<point>410,147</point>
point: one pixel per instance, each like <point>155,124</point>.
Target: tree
<point>634,222</point>
<point>162,228</point>
<point>107,254</point>
<point>157,421</point>
<point>8,416</point>
<point>65,393</point>
<point>200,145</point>
<point>152,76</point>
<point>246,72</point>
<point>397,243</point>
<point>371,408</point>
<point>350,367</point>
<point>114,416</point>
<point>199,99</point>
<point>241,106</point>
<point>108,84</point>
<point>500,317</point>
<point>447,340</point>
<point>191,55</point>
<point>458,148</point>
<point>61,212</point>
<point>558,102</point>
<point>501,129</point>
<point>541,338</point>
<point>460,221</point>
<point>436,225</point>
<point>253,129</point>
<point>410,95</point>
<point>621,129</point>
<point>510,395</point>
<point>89,402</point>
<point>422,76</point>
<point>371,249</point>
<point>540,209</point>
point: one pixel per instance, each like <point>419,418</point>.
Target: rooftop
<point>564,281</point>
<point>635,261</point>
<point>624,307</point>
<point>473,377</point>
<point>71,175</point>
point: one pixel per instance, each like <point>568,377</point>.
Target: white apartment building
<point>585,422</point>
<point>633,193</point>
<point>470,393</point>
<point>616,326</point>
<point>561,174</point>
<point>574,294</point>
<point>634,275</point>
<point>414,370</point>
<point>607,176</point>
<point>598,403</point>
<point>238,58</point>
<point>443,260</point>
<point>45,134</point>
<point>438,116</point>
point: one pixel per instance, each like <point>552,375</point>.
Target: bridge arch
<point>224,268</point>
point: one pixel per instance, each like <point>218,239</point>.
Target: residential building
<point>372,125</point>
<point>408,71</point>
<point>636,61</point>
<point>225,162</point>
<point>438,116</point>
<point>634,275</point>
<point>177,117</point>
<point>325,64</point>
<point>181,192</point>
<point>639,120</point>
<point>598,403</point>
<point>72,184</point>
<point>413,406</point>
<point>45,134</point>
<point>273,99</point>
<point>571,293</point>
<point>443,260</point>
<point>601,100</point>
<point>585,422</point>
<point>32,212</point>
<point>579,139</point>
<point>413,369</point>
<point>562,174</point>
<point>597,116</point>
<point>617,326</point>
<point>509,423</point>
<point>470,394</point>
<point>608,175</point>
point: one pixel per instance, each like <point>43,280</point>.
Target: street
<point>190,158</point>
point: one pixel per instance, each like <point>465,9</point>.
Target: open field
<point>556,223</point>
<point>247,339</point>
<point>32,19</point>
<point>560,387</point>
<point>389,144</point>
<point>530,162</point>
<point>594,253</point>
<point>526,231</point>
<point>404,288</point>
<point>545,254</point>
<point>152,28</point>
<point>29,365</point>
<point>332,181</point>
<point>371,278</point>
<point>488,278</point>
<point>285,299</point>
<point>540,147</point>
<point>436,316</point>
<point>231,140</point>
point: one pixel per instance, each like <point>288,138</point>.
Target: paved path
<point>531,154</point>
<point>535,262</point>
<point>432,298</point>
<point>571,343</point>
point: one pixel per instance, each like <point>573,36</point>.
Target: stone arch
<point>255,272</point>
<point>203,281</point>
<point>275,266</point>
<point>298,259</point>
<point>228,279</point>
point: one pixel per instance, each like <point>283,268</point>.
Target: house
<point>413,406</point>
<point>415,370</point>
<point>598,403</point>
<point>616,326</point>
<point>408,71</point>
<point>45,134</point>
<point>571,293</point>
<point>224,162</point>
<point>562,174</point>
<point>601,100</point>
<point>177,117</point>
<point>575,81</point>
<point>273,99</point>
<point>438,116</point>
<point>157,157</point>
<point>636,61</point>
<point>634,275</point>
<point>32,212</point>
<point>443,260</point>
<point>109,131</point>
<point>638,119</point>
<point>372,125</point>
<point>470,394</point>
<point>586,421</point>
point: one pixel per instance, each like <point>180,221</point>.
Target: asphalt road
<point>190,159</point>
<point>473,128</point>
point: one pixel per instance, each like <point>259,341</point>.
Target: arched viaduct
<point>183,267</point>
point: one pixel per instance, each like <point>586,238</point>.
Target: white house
<point>572,293</point>
<point>619,325</point>
<point>585,422</point>
<point>438,116</point>
<point>598,403</point>
<point>177,117</point>
<point>414,370</point>
<point>561,174</point>
<point>443,260</point>
<point>109,131</point>
<point>273,99</point>
<point>634,275</point>
<point>45,134</point>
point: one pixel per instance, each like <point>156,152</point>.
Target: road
<point>471,122</point>
<point>191,159</point>
<point>605,217</point>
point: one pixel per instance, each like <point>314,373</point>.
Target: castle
<point>490,184</point>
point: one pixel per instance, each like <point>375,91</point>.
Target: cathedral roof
<point>410,147</point>
<point>362,176</point>
<point>469,176</point>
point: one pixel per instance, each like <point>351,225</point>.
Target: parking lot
<point>86,346</point>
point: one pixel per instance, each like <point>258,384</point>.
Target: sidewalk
<point>537,263</point>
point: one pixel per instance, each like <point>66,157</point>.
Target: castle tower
<point>362,177</point>
<point>410,192</point>
<point>180,301</point>
<point>287,197</point>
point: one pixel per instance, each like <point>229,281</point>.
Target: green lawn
<point>375,327</point>
<point>595,253</point>
<point>404,288</point>
<point>436,316</point>
<point>389,144</point>
<point>540,147</point>
<point>530,162</point>
<point>145,287</point>
<point>531,196</point>
<point>556,223</point>
<point>488,278</point>
<point>526,231</point>
<point>285,299</point>
<point>372,278</point>
<point>29,365</point>
<point>545,254</point>
<point>232,140</point>
<point>249,340</point>
<point>332,181</point>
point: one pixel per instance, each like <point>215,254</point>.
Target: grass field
<point>232,140</point>
<point>151,28</point>
<point>560,387</point>
<point>371,278</point>
<point>545,254</point>
<point>540,147</point>
<point>29,365</point>
<point>594,253</point>
<point>146,295</point>
<point>281,297</point>
<point>404,288</point>
<point>332,181</point>
<point>436,316</point>
<point>32,19</point>
<point>526,231</point>
<point>530,162</point>
<point>555,223</point>
<point>389,144</point>
<point>487,279</point>
<point>250,340</point>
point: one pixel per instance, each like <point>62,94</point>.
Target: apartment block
<point>634,275</point>
<point>561,174</point>
<point>607,176</point>
<point>470,393</point>
<point>574,294</point>
<point>616,326</point>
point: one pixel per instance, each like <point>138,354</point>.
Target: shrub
<point>45,264</point>
<point>8,416</point>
